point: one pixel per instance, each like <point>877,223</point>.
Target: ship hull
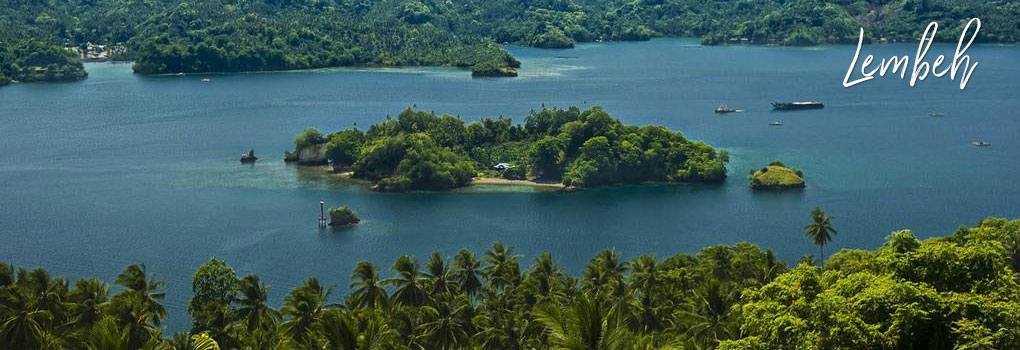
<point>785,106</point>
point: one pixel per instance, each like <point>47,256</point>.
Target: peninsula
<point>37,60</point>
<point>422,151</point>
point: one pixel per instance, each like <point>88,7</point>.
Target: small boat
<point>724,109</point>
<point>797,105</point>
<point>776,123</point>
<point>206,80</point>
<point>180,74</point>
<point>248,157</point>
<point>936,114</point>
<point>980,144</point>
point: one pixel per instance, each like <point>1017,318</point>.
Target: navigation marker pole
<point>322,213</point>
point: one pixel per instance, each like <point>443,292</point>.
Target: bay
<point>120,168</point>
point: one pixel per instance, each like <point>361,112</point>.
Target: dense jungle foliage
<point>420,150</point>
<point>954,292</point>
<point>169,36</point>
<point>37,60</point>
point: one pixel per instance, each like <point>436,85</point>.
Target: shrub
<point>308,137</point>
<point>343,147</point>
<point>342,216</point>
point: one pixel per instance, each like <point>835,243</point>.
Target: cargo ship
<point>797,105</point>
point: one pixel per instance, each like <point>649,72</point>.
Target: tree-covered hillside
<point>955,292</point>
<point>165,36</point>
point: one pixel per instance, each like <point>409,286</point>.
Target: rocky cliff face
<point>313,155</point>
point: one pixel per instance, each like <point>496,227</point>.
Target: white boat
<point>980,144</point>
<point>776,123</point>
<point>936,114</point>
<point>206,80</point>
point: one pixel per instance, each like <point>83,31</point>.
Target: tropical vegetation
<point>37,60</point>
<point>776,176</point>
<point>820,230</point>
<point>342,216</point>
<point>955,292</point>
<point>421,150</point>
<point>167,36</point>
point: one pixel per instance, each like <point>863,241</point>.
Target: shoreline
<point>500,181</point>
<point>349,175</point>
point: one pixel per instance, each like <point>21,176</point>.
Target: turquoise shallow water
<point>120,168</point>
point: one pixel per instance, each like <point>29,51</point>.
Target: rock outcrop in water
<point>314,154</point>
<point>342,216</point>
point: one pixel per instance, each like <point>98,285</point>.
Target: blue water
<point>120,168</point>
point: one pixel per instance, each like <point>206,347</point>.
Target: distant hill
<point>165,36</point>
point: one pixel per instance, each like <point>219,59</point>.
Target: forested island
<point>954,292</point>
<point>420,150</point>
<point>167,36</point>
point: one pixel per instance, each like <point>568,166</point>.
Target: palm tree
<point>88,297</point>
<point>304,305</point>
<point>136,313</point>
<point>6,274</point>
<point>820,231</point>
<point>368,291</point>
<point>465,272</point>
<point>203,341</point>
<point>408,282</point>
<point>501,326</point>
<point>344,332</point>
<point>24,326</point>
<point>146,288</point>
<point>645,280</point>
<point>444,328</point>
<point>252,309</point>
<point>107,334</point>
<point>219,324</point>
<point>262,339</point>
<point>46,293</point>
<point>709,318</point>
<point>604,273</point>
<point>501,268</point>
<point>439,277</point>
<point>585,325</point>
<point>545,276</point>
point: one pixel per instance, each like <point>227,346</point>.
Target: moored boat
<point>797,105</point>
<point>776,123</point>
<point>724,109</point>
<point>249,157</point>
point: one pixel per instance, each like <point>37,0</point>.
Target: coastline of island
<point>565,148</point>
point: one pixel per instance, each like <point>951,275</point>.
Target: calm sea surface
<point>120,168</point>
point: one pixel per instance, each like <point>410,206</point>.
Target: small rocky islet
<point>777,176</point>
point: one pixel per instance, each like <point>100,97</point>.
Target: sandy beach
<point>498,181</point>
